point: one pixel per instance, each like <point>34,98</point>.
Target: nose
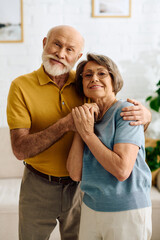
<point>60,53</point>
<point>94,78</point>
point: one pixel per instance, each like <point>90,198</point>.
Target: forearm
<point>119,165</point>
<point>75,157</point>
<point>26,145</point>
<point>120,161</point>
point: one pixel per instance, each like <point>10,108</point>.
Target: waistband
<point>61,180</point>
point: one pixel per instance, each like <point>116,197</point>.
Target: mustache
<point>56,59</point>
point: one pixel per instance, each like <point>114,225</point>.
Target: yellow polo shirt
<point>36,102</point>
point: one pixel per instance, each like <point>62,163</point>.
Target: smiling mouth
<point>56,61</point>
<point>96,87</point>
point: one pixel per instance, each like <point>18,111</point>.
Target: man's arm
<point>26,145</point>
<point>138,113</point>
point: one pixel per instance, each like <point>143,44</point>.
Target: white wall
<point>134,43</point>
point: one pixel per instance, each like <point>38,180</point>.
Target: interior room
<point>126,31</point>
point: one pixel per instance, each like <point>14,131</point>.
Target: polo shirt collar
<point>45,79</point>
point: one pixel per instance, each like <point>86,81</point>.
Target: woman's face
<point>97,82</point>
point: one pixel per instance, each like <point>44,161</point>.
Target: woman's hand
<point>93,107</point>
<point>83,117</point>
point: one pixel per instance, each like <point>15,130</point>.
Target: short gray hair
<point>103,61</point>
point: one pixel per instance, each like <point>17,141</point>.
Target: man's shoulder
<point>25,78</point>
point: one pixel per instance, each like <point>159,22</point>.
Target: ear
<point>44,41</point>
<point>80,55</point>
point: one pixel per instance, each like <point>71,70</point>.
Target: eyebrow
<point>56,40</point>
<point>90,70</point>
<point>70,46</point>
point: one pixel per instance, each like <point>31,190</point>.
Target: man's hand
<point>137,113</point>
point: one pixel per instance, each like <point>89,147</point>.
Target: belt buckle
<point>50,178</point>
<point>59,180</point>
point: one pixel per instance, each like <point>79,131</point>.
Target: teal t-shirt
<point>102,191</point>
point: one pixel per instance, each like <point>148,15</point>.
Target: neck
<point>60,80</point>
<point>104,105</point>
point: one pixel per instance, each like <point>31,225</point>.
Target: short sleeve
<point>17,112</point>
<point>125,133</point>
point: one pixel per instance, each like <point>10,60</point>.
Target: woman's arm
<point>118,162</point>
<point>75,157</point>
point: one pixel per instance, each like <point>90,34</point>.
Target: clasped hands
<point>84,117</point>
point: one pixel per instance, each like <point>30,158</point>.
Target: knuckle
<point>86,105</point>
<point>132,108</point>
<point>134,113</point>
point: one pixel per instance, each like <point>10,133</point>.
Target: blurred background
<point>133,43</point>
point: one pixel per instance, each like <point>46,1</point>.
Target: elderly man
<point>41,127</point>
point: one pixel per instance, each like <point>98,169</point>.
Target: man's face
<point>61,51</point>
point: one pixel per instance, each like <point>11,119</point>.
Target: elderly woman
<point>108,156</point>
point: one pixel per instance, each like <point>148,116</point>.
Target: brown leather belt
<point>60,180</point>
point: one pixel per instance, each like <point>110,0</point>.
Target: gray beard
<point>54,70</point>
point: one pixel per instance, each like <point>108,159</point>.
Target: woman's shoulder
<point>123,103</point>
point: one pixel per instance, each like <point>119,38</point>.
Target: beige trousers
<point>42,203</point>
<point>126,225</point>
